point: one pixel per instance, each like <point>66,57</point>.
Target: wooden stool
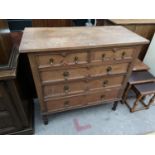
<point>138,78</point>
<point>142,77</point>
<point>142,90</point>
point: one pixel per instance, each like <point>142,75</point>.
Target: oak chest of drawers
<point>80,66</point>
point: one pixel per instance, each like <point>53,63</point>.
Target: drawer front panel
<point>101,55</point>
<point>83,72</point>
<point>83,100</point>
<point>123,53</point>
<point>103,96</point>
<point>64,104</point>
<point>65,89</point>
<point>69,88</point>
<point>60,75</point>
<point>53,60</point>
<point>109,69</point>
<point>106,82</point>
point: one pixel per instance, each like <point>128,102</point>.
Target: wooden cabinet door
<point>9,120</point>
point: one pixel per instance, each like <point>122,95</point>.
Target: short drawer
<point>102,96</point>
<point>106,82</point>
<point>64,88</point>
<point>123,53</point>
<point>102,55</point>
<point>62,59</point>
<point>61,74</point>
<point>109,69</point>
<point>64,104</point>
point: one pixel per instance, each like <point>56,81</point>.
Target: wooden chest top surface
<point>52,39</point>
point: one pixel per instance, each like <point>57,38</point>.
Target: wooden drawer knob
<point>102,97</point>
<point>123,54</point>
<point>105,82</point>
<point>66,104</point>
<point>51,61</point>
<point>66,74</point>
<point>64,54</point>
<point>103,57</point>
<point>66,88</point>
<point>76,59</point>
<point>109,69</point>
<point>114,51</point>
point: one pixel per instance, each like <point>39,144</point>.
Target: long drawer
<point>83,72</point>
<point>82,100</point>
<point>81,86</point>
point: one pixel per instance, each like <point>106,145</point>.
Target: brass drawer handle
<point>66,74</point>
<point>123,54</point>
<point>102,97</point>
<point>51,61</point>
<point>103,57</point>
<point>105,83</point>
<point>66,88</point>
<point>114,50</point>
<point>76,59</point>
<point>66,104</point>
<point>109,69</point>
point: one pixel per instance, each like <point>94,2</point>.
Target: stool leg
<point>151,101</point>
<point>144,97</point>
<point>126,93</point>
<point>136,103</point>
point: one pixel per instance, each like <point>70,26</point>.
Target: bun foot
<point>45,119</point>
<point>115,105</point>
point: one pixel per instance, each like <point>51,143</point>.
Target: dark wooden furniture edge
<point>30,129</point>
<point>10,63</point>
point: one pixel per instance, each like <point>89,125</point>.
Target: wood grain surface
<point>51,39</point>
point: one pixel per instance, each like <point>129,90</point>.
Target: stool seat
<point>145,88</point>
<point>141,77</point>
<point>139,66</point>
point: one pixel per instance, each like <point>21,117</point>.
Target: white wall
<point>150,56</point>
